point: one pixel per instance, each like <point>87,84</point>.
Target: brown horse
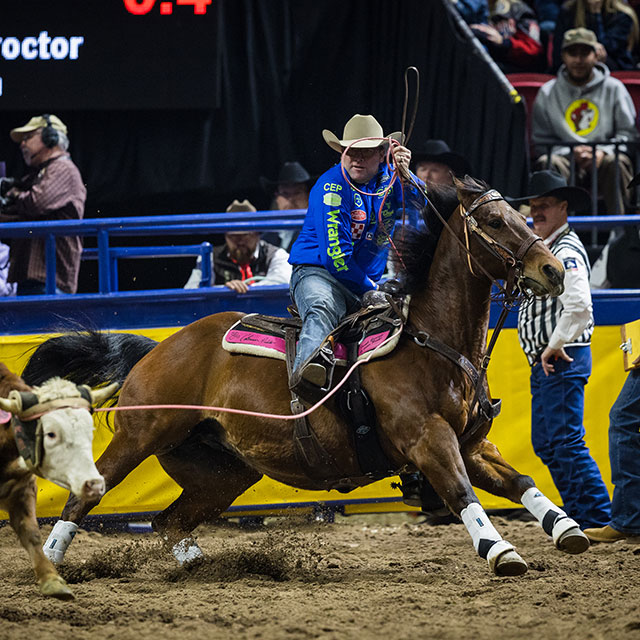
<point>423,400</point>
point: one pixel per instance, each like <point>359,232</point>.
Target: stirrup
<point>313,378</point>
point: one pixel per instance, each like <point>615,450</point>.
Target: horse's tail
<point>87,357</point>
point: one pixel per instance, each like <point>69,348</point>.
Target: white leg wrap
<point>186,551</point>
<point>565,531</point>
<point>482,532</point>
<point>59,540</point>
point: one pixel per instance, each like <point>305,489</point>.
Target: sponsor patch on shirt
<point>356,230</point>
<point>332,199</point>
<point>570,264</point>
<point>358,215</point>
<point>357,200</point>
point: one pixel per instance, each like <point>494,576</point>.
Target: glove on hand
<point>373,298</point>
<point>392,287</point>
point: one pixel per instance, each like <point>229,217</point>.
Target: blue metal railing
<point>174,225</point>
<point>106,228</point>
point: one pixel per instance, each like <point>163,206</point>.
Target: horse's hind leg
<point>489,471</point>
<point>437,455</point>
<point>211,479</point>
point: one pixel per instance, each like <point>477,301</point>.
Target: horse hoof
<point>56,587</point>
<point>510,564</point>
<point>573,541</point>
<point>568,537</point>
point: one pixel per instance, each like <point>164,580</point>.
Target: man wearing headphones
<point>52,189</point>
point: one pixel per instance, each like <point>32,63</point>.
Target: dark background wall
<point>281,70</point>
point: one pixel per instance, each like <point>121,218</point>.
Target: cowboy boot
<point>312,379</point>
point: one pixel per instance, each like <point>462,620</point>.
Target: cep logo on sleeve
<point>570,264</point>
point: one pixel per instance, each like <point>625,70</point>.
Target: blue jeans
<point>624,453</point>
<point>557,435</point>
<point>322,302</point>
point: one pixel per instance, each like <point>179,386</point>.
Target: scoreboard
<point>108,54</point>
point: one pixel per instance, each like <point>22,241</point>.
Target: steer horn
<point>12,404</point>
<point>98,396</point>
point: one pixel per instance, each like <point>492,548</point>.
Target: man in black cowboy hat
<point>289,191</point>
<point>435,163</point>
<point>555,335</point>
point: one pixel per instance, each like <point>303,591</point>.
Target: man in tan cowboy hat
<point>341,251</point>
<point>244,260</point>
<point>52,189</point>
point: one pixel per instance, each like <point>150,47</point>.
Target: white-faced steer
<point>49,434</point>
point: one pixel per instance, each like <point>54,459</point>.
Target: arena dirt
<point>380,576</point>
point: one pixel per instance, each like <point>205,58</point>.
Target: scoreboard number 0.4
<point>142,7</point>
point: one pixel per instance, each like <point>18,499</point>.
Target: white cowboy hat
<point>356,128</point>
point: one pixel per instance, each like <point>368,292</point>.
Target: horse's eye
<point>51,435</point>
<point>496,223</point>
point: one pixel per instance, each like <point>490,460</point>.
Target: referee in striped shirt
<point>555,334</point>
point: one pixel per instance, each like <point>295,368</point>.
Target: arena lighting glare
<point>111,54</point>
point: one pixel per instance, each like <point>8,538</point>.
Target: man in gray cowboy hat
<point>341,251</point>
<point>435,162</point>
<point>555,335</point>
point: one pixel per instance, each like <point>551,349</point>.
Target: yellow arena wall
<point>148,488</point>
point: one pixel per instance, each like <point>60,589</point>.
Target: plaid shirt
<point>53,191</point>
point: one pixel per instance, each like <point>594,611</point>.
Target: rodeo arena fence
<point>26,321</point>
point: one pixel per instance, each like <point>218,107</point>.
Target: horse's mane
<point>417,248</point>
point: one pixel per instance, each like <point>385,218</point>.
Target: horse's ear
<point>465,195</point>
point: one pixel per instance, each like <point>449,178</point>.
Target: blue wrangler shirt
<point>341,231</point>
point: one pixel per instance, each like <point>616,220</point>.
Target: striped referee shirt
<point>565,321</point>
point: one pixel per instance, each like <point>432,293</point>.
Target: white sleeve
<point>196,275</point>
<point>576,300</point>
<point>279,271</point>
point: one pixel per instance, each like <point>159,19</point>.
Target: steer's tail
<point>87,357</point>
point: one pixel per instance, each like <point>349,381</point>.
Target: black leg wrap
<point>549,520</point>
<point>484,546</point>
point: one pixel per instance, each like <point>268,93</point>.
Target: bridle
<point>513,261</point>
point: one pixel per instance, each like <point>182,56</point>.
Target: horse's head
<point>53,429</point>
<point>511,251</point>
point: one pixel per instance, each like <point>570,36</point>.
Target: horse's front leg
<point>437,455</point>
<point>489,471</point>
<point>21,506</point>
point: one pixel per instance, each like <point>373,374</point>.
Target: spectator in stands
<point>584,103</point>
<point>472,11</point>
<point>613,21</point>
<point>435,162</point>
<point>617,264</point>
<point>244,260</point>
<point>52,189</point>
<point>547,12</point>
<point>289,191</point>
<point>556,336</point>
<point>6,288</point>
<point>512,37</point>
